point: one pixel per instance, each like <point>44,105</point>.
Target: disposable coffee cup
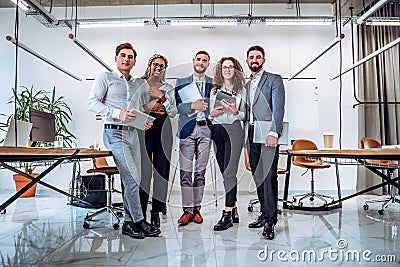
<point>328,140</point>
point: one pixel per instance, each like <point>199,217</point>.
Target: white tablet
<point>141,119</point>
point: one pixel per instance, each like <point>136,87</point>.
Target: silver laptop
<point>23,132</point>
<point>262,128</point>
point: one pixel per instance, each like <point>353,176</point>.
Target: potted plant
<point>44,101</point>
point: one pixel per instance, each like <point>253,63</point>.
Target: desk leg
<point>338,182</point>
<point>287,179</point>
<point>32,182</point>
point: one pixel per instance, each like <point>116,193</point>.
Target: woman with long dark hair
<point>227,133</point>
<point>157,144</point>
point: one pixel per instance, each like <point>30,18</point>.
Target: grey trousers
<point>195,147</point>
<point>125,147</point>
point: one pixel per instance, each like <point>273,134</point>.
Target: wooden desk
<point>359,156</point>
<point>32,154</point>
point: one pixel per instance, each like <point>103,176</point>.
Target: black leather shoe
<point>235,215</point>
<point>258,223</point>
<point>225,222</point>
<point>128,228</point>
<point>155,219</point>
<point>148,229</point>
<point>269,230</point>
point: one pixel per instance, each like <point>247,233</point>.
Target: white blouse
<point>228,117</point>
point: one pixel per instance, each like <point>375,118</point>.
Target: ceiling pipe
<point>323,51</point>
<point>30,51</point>
<point>372,55</point>
<point>89,52</point>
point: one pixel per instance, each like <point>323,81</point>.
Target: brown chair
<point>100,165</point>
<point>388,165</point>
<point>314,164</point>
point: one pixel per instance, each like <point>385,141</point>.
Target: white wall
<point>311,108</point>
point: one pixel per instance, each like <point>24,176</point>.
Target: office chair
<point>303,162</point>
<point>101,166</point>
<point>387,165</point>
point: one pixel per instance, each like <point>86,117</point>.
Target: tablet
<point>141,119</point>
<point>223,95</point>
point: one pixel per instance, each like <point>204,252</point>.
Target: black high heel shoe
<point>155,219</point>
<point>235,215</point>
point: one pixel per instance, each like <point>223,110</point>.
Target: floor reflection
<point>45,231</point>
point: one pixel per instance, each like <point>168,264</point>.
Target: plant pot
<point>21,181</point>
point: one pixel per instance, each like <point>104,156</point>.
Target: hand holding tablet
<point>141,121</point>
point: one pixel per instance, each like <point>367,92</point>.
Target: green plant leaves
<point>44,101</point>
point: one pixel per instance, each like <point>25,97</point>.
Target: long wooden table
<point>360,157</point>
<point>56,156</point>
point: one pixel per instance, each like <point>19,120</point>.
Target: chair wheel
<point>3,211</point>
<point>380,212</point>
<point>294,199</point>
<point>250,208</point>
<point>279,212</point>
<point>365,207</point>
<point>116,226</point>
<point>86,225</point>
<point>311,198</point>
<point>120,214</point>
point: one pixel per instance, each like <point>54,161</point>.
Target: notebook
<point>23,132</point>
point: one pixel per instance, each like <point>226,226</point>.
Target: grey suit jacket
<point>269,101</point>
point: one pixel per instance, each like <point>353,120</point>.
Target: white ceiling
<point>358,5</point>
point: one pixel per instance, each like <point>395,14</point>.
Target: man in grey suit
<point>195,139</point>
<point>265,102</point>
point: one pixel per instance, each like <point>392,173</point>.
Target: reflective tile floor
<point>44,231</point>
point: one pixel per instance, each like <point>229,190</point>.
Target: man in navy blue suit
<point>194,138</point>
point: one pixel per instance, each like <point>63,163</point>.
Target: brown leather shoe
<point>197,218</point>
<point>186,218</point>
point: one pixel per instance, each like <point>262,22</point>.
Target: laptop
<point>23,132</point>
<point>262,128</point>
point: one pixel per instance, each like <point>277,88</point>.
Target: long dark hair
<point>238,76</point>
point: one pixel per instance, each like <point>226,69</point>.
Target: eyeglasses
<point>225,68</point>
<point>157,65</point>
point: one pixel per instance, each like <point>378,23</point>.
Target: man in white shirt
<point>113,95</point>
<point>266,102</point>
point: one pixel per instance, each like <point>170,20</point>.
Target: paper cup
<point>328,140</point>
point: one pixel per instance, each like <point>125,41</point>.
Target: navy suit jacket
<point>187,116</point>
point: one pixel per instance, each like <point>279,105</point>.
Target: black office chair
<point>387,165</point>
<point>101,166</point>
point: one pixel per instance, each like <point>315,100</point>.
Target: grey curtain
<point>378,81</point>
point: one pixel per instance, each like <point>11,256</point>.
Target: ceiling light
<point>21,4</point>
<point>89,52</point>
<point>204,22</point>
<point>371,11</point>
<point>33,53</point>
<point>383,22</point>
<point>298,22</point>
<point>111,24</point>
<point>372,55</point>
<point>323,51</point>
